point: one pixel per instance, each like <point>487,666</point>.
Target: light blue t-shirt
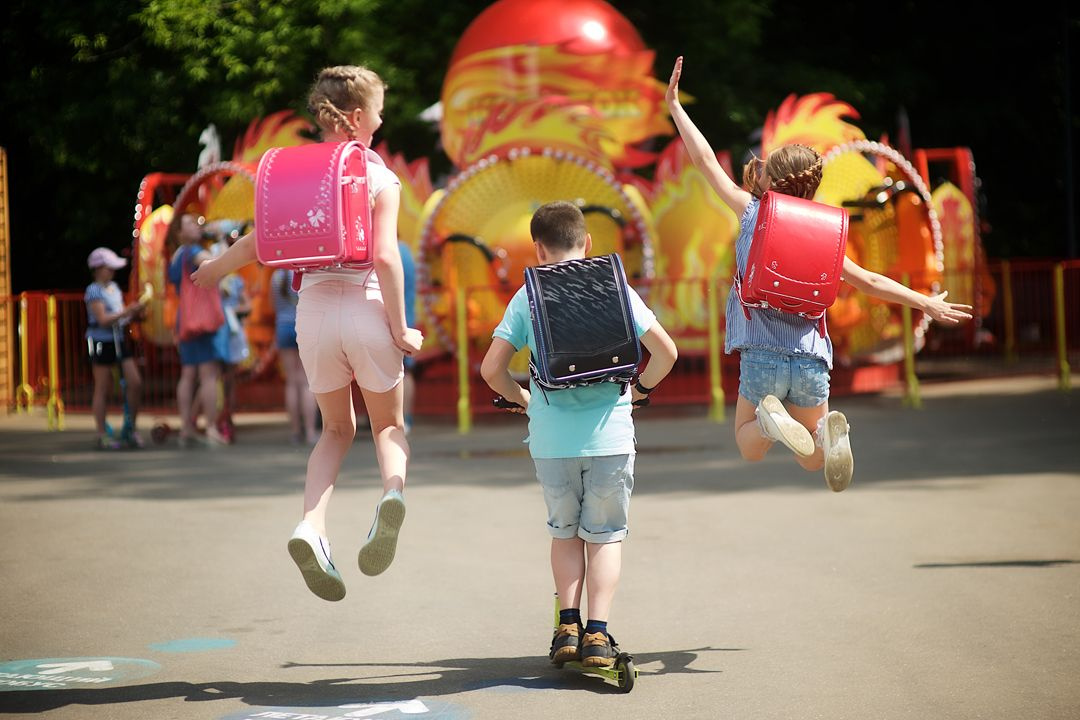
<point>768,329</point>
<point>589,421</point>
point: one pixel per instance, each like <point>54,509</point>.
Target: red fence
<point>1018,329</point>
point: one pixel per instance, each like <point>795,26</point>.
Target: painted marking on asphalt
<point>195,644</point>
<point>415,709</point>
<point>63,673</point>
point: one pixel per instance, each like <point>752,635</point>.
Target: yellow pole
<point>464,410</point>
<point>25,389</point>
<point>55,405</point>
<point>716,387</point>
<point>1064,379</point>
<point>911,393</point>
<point>1010,321</point>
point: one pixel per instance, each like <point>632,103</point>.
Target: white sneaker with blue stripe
<point>381,546</point>
<point>311,553</point>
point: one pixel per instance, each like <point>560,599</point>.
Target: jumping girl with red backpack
<point>350,319</point>
<point>786,355</point>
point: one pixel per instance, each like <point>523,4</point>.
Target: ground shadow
<point>998,564</point>
<point>415,680</point>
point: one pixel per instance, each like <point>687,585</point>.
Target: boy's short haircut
<point>558,226</point>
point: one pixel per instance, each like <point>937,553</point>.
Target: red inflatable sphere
<point>583,27</point>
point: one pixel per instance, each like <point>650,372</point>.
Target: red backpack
<point>796,257</point>
<point>313,207</point>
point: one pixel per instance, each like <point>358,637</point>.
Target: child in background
<point>200,363</point>
<point>582,443</point>
<point>109,343</point>
<point>231,343</point>
<point>299,402</point>
<point>784,360</point>
<point>349,323</point>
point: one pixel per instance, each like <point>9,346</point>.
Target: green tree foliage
<point>98,93</point>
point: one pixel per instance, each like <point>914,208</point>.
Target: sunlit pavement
<point>945,583</point>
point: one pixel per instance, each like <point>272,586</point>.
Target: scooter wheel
<point>627,672</point>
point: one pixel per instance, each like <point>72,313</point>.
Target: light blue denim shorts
<point>587,497</point>
<point>802,380</point>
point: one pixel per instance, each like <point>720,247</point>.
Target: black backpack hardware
<point>583,324</point>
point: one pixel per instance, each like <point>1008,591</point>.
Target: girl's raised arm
<point>701,154</point>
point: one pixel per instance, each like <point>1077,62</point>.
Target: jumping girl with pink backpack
<point>790,260</point>
<point>326,211</point>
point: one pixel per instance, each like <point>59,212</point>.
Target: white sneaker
<point>839,464</point>
<point>311,552</point>
<point>778,426</point>
<point>381,546</point>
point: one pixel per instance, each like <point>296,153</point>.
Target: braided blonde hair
<point>341,89</point>
<point>791,170</point>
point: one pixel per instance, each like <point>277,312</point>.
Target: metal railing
<point>1027,321</point>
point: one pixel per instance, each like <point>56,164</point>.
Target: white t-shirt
<point>380,177</point>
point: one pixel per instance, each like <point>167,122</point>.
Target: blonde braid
<point>329,115</point>
<point>340,89</point>
<point>752,173</point>
<point>795,170</point>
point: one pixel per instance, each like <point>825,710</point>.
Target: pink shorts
<point>342,332</point>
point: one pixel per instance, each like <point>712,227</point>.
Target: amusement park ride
<point>543,103</point>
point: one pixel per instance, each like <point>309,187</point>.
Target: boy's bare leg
<point>809,419</point>
<point>748,436</point>
<point>602,572</point>
<point>568,570</point>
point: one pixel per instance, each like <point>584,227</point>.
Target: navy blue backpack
<point>583,324</point>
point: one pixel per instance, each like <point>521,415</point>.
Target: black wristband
<point>642,389</point>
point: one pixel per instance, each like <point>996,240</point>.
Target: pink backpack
<point>313,207</point>
<point>796,257</point>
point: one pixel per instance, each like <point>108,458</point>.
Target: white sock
<point>819,434</point>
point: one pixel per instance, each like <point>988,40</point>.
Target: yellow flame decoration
<point>815,120</point>
<point>281,129</point>
<point>628,101</point>
<point>957,220</point>
<point>696,233</point>
<point>152,263</point>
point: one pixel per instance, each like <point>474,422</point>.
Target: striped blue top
<point>113,299</point>
<point>768,329</point>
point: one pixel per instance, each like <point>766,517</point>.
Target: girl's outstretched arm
<point>701,154</point>
<point>209,272</point>
<point>887,289</point>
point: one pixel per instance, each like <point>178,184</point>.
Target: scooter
<point>622,671</point>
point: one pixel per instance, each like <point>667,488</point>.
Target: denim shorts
<point>587,497</point>
<point>802,380</point>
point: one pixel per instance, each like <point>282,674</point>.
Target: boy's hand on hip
<point>526,398</point>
